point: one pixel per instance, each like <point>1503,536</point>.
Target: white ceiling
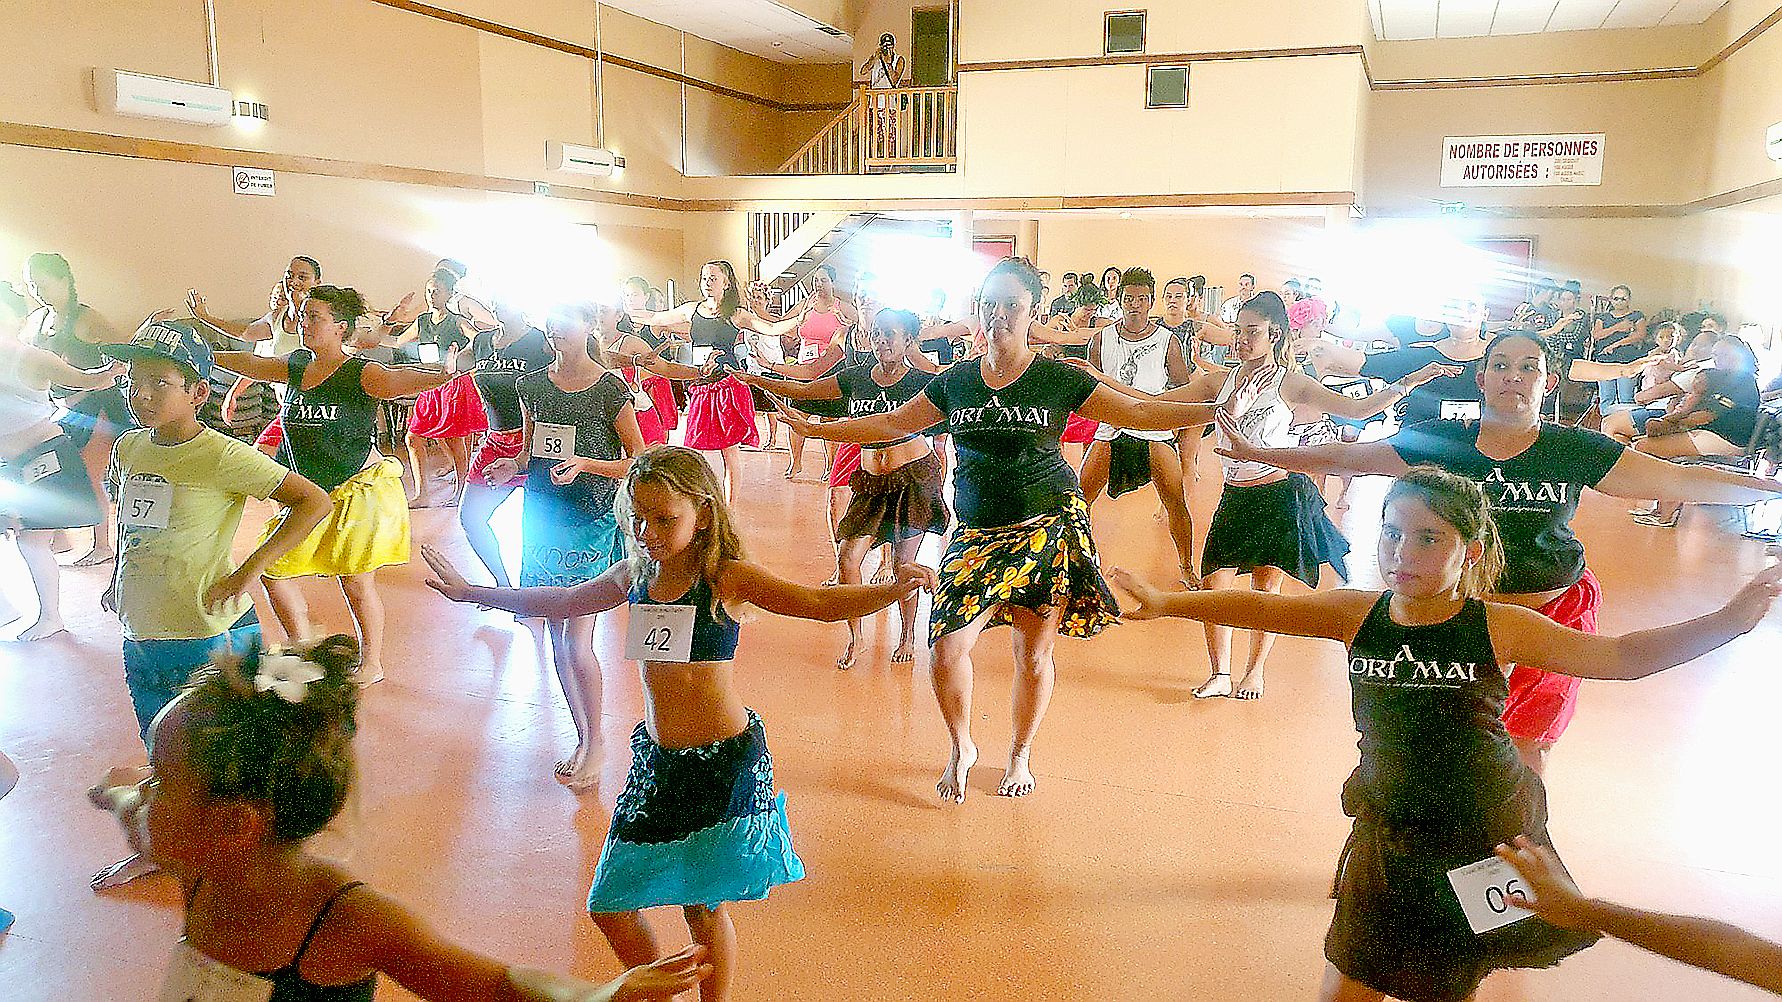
<point>759,27</point>
<point>1402,19</point>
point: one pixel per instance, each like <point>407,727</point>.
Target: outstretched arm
<point>913,418</point>
<point>1639,476</point>
<point>1527,637</point>
<point>742,581</point>
<point>257,367</point>
<point>1699,942</point>
<point>391,382</point>
<point>1144,412</point>
<point>1349,459</point>
<point>795,389</point>
<point>1332,615</point>
<point>608,591</point>
<point>1303,389</point>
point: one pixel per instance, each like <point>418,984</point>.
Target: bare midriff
<point>881,460</point>
<point>690,704</point>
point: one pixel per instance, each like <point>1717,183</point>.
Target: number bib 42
<point>193,977</point>
<point>145,504</point>
<point>553,441</point>
<point>1484,891</point>
<point>660,633</point>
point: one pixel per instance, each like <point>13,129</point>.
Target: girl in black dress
<point>1440,784</point>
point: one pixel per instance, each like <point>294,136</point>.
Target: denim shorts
<point>156,670</point>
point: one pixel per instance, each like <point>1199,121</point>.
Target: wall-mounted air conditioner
<point>142,96</point>
<point>581,159</point>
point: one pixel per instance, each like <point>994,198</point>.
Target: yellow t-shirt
<point>178,509</point>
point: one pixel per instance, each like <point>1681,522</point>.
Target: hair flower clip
<point>286,674</point>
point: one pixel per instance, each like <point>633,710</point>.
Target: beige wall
<point>1051,29</point>
<point>1739,261</point>
<point>1742,98</point>
<point>1220,246</point>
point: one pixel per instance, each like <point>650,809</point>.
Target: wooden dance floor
<point>1174,849</point>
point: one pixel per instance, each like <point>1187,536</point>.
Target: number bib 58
<point>553,441</point>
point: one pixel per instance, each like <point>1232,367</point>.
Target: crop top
<point>718,334</point>
<point>448,334</point>
<point>330,428</point>
<point>1533,494</point>
<point>498,371</point>
<point>1267,422</point>
<point>287,984</point>
<point>714,633</point>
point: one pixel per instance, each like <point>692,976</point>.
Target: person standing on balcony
<point>884,70</point>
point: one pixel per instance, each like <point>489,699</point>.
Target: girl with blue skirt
<point>578,436</point>
<point>699,823</point>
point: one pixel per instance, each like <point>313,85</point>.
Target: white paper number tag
<point>660,633</point>
<point>429,353</point>
<point>145,504</point>
<point>193,977</point>
<point>553,441</point>
<point>41,467</point>
<point>1460,410</point>
<point>1484,892</point>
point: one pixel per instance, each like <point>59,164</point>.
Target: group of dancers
<point>1464,670</point>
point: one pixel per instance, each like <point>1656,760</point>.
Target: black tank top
<point>331,428</point>
<point>643,331</point>
<point>289,986</point>
<point>1428,701</point>
<point>61,339</point>
<point>720,335</point>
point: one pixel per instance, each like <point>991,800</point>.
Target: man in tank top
<point>1147,356</point>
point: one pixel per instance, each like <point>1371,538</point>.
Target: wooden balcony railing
<point>884,131</point>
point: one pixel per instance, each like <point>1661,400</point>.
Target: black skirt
<point>1275,525</point>
<point>895,506</point>
<point>1398,927</point>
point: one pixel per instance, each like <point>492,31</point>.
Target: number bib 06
<point>193,977</point>
<point>145,504</point>
<point>660,633</point>
<point>553,441</point>
<point>1484,892</point>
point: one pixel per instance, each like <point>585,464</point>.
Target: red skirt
<point>847,463</point>
<point>656,422</point>
<point>272,435</point>
<point>454,410</point>
<point>1542,703</point>
<point>720,415</point>
<point>1080,430</point>
<point>498,445</point>
<point>662,392</point>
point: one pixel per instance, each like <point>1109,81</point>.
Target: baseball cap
<point>173,340</point>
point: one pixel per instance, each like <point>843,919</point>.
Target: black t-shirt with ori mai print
<point>1533,494</point>
<point>1010,468</point>
<point>862,395</point>
<point>498,371</point>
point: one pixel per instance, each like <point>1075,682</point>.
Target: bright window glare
<point>1407,268</point>
<point>527,252</point>
<point>908,268</point>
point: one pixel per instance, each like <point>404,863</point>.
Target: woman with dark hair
<point>449,414</point>
<point>1533,472</point>
<point>279,330</point>
<point>65,326</point>
<point>330,421</point>
<point>1109,309</point>
<point>1717,418</point>
<point>652,395</point>
<point>897,487</point>
<point>1022,555</point>
<point>720,412</point>
<point>821,321</point>
<point>1618,335</point>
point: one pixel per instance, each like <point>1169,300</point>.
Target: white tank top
<point>1268,423</point>
<point>21,405</point>
<point>1141,365</point>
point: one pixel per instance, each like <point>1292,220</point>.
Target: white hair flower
<point>286,674</point>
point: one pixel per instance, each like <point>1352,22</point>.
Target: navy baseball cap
<point>173,340</point>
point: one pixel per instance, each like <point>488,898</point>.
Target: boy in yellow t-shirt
<point>180,489</point>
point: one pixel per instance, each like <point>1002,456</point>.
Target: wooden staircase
<point>902,129</point>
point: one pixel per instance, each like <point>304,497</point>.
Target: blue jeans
<point>1616,392</point>
<point>156,670</point>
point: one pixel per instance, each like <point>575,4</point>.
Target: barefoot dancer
<point>1439,784</point>
<point>451,414</point>
<point>1534,473</point>
<point>698,824</point>
<point>64,325</point>
<point>822,322</point>
<point>329,417</point>
<point>897,488</point>
<point>652,395</point>
<point>42,476</point>
<point>279,331</point>
<point>1022,554</point>
<point>580,433</point>
<point>501,356</point>
<point>249,762</point>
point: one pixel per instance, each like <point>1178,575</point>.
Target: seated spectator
<point>1228,310</point>
<point>1618,335</point>
<point>1717,418</point>
<point>1538,313</point>
<point>1568,335</point>
<point>1657,382</point>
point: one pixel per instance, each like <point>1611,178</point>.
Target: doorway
<point>931,51</point>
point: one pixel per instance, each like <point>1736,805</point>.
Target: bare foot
<point>369,675</point>
<point>1159,515</point>
<point>905,652</point>
<point>97,558</point>
<point>952,781</point>
<point>1190,580</point>
<point>43,629</point>
<point>1250,687</point>
<point>583,781</point>
<point>1018,780</point>
<point>793,471</point>
<point>122,872</point>
<point>1217,685</point>
<point>883,574</point>
<point>846,660</point>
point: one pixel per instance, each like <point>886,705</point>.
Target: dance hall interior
<point>795,500</point>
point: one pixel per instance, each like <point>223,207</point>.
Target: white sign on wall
<point>253,181</point>
<point>1521,161</point>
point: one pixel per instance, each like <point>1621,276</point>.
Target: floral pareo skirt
<point>696,826</point>
<point>1041,564</point>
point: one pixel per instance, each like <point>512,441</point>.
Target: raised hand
<point>196,305</point>
<point>665,978</point>
<point>446,580</point>
<point>799,422</point>
<point>1147,601</point>
<point>405,311</point>
<point>1753,601</point>
<point>1236,444</point>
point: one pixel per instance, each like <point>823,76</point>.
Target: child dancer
<point>252,759</point>
<point>698,823</point>
<point>1439,784</point>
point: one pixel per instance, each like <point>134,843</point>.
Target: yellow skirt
<point>367,529</point>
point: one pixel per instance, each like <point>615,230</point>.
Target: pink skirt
<point>454,410</point>
<point>1079,429</point>
<point>720,415</point>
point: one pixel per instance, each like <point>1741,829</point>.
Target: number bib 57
<point>145,504</point>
